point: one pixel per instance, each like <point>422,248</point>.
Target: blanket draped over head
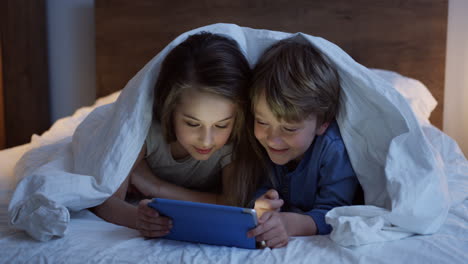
<point>402,175</point>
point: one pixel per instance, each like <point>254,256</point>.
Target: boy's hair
<point>297,81</point>
<point>205,62</point>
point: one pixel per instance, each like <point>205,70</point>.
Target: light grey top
<point>190,173</point>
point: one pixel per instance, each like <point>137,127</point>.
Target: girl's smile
<point>203,151</point>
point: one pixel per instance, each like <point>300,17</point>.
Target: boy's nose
<point>274,136</point>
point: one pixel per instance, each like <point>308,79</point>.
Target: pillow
<point>415,92</point>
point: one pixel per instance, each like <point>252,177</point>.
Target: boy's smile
<point>284,141</point>
<point>278,151</point>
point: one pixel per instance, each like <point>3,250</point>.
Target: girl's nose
<point>206,138</point>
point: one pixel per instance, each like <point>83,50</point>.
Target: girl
<point>194,146</point>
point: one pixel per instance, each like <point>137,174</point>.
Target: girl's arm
<point>143,218</point>
<point>152,186</point>
<point>116,210</point>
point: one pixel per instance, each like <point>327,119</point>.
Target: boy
<point>295,97</point>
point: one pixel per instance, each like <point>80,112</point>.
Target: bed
<point>92,240</point>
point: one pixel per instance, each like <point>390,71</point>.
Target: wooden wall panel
<point>404,36</point>
<point>25,72</point>
<point>2,114</point>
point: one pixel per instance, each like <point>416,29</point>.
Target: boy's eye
<point>261,123</point>
<point>192,124</point>
<point>290,129</point>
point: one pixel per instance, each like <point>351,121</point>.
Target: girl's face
<point>203,123</point>
<point>284,141</point>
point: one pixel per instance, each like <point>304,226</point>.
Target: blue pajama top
<point>323,179</point>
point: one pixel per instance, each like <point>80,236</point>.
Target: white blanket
<point>402,175</point>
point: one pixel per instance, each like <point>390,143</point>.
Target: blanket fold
<point>402,176</point>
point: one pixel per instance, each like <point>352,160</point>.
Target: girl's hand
<point>150,223</point>
<point>269,201</point>
<point>271,229</point>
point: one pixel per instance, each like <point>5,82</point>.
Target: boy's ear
<point>322,128</point>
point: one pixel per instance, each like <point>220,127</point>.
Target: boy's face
<point>284,141</point>
<point>203,123</point>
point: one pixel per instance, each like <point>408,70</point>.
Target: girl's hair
<point>205,62</point>
<point>214,64</point>
<point>297,81</point>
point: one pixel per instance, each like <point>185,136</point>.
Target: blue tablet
<point>208,223</point>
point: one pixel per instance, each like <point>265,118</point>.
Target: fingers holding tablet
<point>150,223</point>
<point>270,230</point>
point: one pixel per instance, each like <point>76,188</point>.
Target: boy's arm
<point>298,224</point>
<point>275,228</point>
<point>336,187</point>
<point>331,196</point>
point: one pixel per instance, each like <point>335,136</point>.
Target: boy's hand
<point>150,223</point>
<point>269,201</point>
<point>271,229</point>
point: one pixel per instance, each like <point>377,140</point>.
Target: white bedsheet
<point>92,240</point>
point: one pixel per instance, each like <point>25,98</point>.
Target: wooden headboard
<point>408,37</point>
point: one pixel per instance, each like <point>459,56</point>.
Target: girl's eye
<point>191,124</point>
<point>222,126</point>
